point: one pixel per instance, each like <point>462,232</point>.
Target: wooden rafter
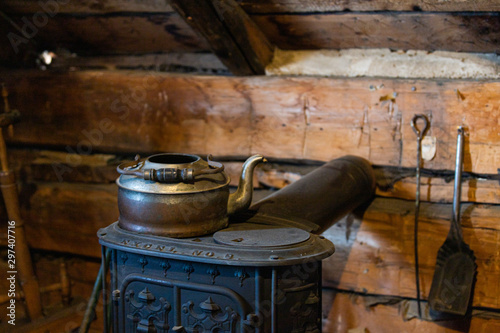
<point>232,35</point>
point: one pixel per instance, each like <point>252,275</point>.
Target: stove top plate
<point>262,245</point>
<point>261,237</point>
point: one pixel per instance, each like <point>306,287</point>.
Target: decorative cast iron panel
<point>145,313</point>
<point>211,318</point>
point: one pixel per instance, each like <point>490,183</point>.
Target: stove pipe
<point>320,198</point>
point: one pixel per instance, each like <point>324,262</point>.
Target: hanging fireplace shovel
<point>453,280</point>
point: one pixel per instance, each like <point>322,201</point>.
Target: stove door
<point>160,305</point>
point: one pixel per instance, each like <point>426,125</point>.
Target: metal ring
<point>420,133</point>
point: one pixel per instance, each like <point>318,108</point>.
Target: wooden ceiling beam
<point>231,33</point>
<point>318,6</point>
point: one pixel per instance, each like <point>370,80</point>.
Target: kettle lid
<point>172,173</point>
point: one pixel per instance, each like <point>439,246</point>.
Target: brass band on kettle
<point>168,175</point>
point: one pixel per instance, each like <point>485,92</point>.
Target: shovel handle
<point>457,187</point>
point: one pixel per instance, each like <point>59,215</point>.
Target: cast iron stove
<point>262,273</point>
<point>246,278</point>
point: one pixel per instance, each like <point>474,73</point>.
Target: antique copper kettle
<point>180,195</point>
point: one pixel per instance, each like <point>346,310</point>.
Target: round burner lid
<point>261,237</point>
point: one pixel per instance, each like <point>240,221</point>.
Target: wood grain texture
<point>354,312</point>
<point>463,32</point>
<point>54,166</point>
<point>201,16</point>
<point>441,190</point>
<point>248,36</point>
<point>315,6</point>
<point>149,32</point>
<point>66,217</point>
<point>111,35</point>
<point>232,35</point>
<point>140,112</point>
<point>88,6</point>
<point>265,6</point>
<point>400,183</point>
<point>199,63</point>
<point>374,254</point>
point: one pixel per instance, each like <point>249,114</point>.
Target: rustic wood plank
<point>375,255</point>
<point>261,6</point>
<point>237,36</point>
<point>461,32</point>
<point>140,112</point>
<point>250,39</point>
<point>441,190</point>
<point>101,34</point>
<point>400,183</point>
<point>86,6</point>
<point>232,35</point>
<point>31,165</point>
<point>140,27</point>
<point>71,225</point>
<point>166,32</point>
<point>201,16</point>
<point>353,312</point>
<point>54,166</point>
<point>316,6</point>
<point>199,63</point>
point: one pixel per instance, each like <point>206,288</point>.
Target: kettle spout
<point>242,198</point>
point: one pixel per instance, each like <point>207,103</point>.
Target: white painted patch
<point>429,144</point>
<point>386,63</point>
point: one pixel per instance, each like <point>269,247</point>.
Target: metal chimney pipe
<point>320,198</point>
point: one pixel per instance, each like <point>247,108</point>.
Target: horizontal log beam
<point>87,6</point>
<point>317,6</point>
<point>402,185</point>
<point>359,313</point>
<point>280,117</point>
<point>441,190</point>
<point>53,166</point>
<point>463,32</point>
<point>254,37</point>
<point>375,255</point>
<point>98,35</point>
<point>199,63</point>
<point>259,6</point>
<point>66,217</point>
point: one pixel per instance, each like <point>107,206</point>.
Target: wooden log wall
<point>142,28</point>
<point>86,113</point>
<point>72,184</point>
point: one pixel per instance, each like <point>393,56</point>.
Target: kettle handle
<point>131,168</point>
<point>168,175</point>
